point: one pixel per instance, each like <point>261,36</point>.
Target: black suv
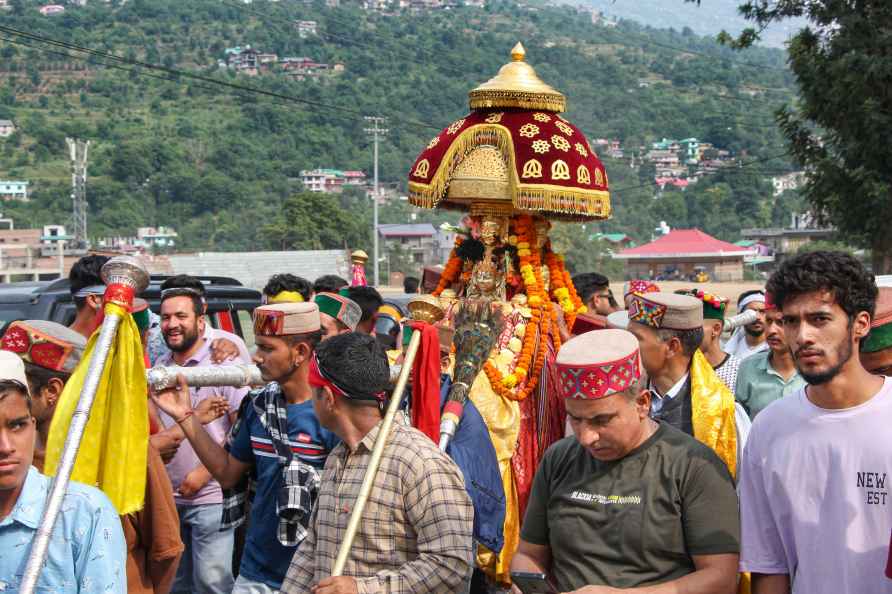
<point>230,304</point>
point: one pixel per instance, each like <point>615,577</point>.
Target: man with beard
<point>814,486</point>
<point>769,375</point>
<point>277,441</point>
<point>206,565</point>
<point>750,339</point>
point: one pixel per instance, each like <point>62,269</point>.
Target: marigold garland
<point>524,378</point>
<point>452,271</point>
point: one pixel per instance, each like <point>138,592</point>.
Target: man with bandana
<point>750,339</point>
<point>278,441</point>
<point>415,536</point>
<point>287,288</point>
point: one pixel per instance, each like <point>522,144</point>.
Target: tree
<point>839,129</point>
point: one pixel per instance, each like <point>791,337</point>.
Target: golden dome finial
<point>518,53</point>
<point>517,86</point>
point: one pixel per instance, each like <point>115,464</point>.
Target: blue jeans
<point>206,566</point>
<point>245,586</point>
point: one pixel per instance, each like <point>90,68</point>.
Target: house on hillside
<point>681,253</point>
<point>51,9</point>
<point>781,183</point>
<point>786,242</point>
<point>14,190</point>
<point>305,28</point>
<point>7,128</point>
<point>418,241</point>
<point>331,180</point>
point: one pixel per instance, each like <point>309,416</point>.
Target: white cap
<point>13,368</point>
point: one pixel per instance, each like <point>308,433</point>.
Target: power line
<point>288,29</point>
<point>194,76</point>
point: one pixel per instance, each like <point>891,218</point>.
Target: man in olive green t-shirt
<point>627,502</point>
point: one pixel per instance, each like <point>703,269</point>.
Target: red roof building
<point>681,254</point>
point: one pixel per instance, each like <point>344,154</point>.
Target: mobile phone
<point>533,583</point>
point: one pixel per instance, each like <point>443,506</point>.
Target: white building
<point>790,181</point>
<point>306,28</point>
<point>14,190</point>
<point>7,128</point>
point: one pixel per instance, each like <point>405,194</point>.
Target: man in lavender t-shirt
<point>206,565</point>
<point>816,474</point>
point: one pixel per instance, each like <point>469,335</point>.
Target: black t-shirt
<point>636,521</point>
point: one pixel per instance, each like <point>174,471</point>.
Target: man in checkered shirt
<point>415,533</point>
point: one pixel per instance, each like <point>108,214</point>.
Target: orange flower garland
<point>524,378</point>
<point>562,288</point>
<point>452,270</point>
<point>527,368</point>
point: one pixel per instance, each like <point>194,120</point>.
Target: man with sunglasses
<point>278,441</point>
<point>87,551</point>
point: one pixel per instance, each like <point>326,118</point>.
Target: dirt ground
<point>729,290</point>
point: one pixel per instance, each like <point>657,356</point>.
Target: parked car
<point>230,304</point>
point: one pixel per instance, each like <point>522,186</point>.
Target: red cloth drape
<point>426,382</point>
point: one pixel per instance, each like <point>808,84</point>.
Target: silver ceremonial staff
<point>122,275</point>
<point>239,376</point>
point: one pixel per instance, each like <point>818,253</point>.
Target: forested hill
<point>219,161</point>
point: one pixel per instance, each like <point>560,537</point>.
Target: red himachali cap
<point>598,364</point>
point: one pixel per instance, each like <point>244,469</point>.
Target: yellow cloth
<point>114,449</point>
<point>502,417</point>
<point>286,297</point>
<point>712,412</point>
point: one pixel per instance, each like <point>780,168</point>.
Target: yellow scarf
<point>114,449</point>
<point>712,412</point>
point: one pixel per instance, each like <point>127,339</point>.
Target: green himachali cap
<point>880,336</point>
<point>714,306</point>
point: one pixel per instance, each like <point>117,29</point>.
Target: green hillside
<point>219,163</point>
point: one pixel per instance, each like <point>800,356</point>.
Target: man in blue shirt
<point>87,551</point>
<point>278,441</point>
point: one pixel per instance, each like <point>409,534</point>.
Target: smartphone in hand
<point>533,583</point>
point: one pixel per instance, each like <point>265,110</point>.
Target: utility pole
<point>377,132</point>
<point>78,152</point>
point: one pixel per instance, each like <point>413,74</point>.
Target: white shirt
<point>815,495</point>
<point>656,404</point>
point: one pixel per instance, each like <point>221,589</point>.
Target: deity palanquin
<point>514,164</point>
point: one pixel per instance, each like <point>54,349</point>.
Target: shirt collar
<point>32,500</point>
<point>674,390</point>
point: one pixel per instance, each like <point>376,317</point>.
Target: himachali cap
<point>46,344</point>
<point>286,319</point>
<point>340,308</point>
<point>880,337</point>
<point>598,364</point>
<point>666,311</point>
<point>639,287</point>
<point>714,306</point>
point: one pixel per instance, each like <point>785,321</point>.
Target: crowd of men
<point>691,464</point>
